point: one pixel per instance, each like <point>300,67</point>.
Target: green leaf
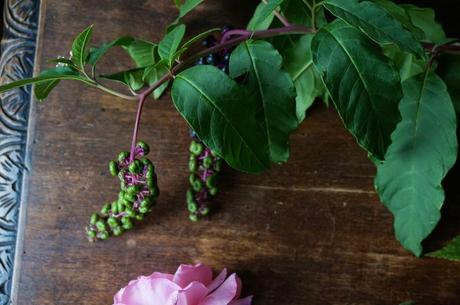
<point>274,90</point>
<point>451,251</point>
<point>297,12</point>
<point>364,87</point>
<point>407,64</point>
<point>55,74</point>
<point>298,63</point>
<point>375,22</point>
<point>424,148</point>
<point>424,19</point>
<point>263,15</point>
<point>199,37</point>
<point>79,54</point>
<point>223,115</point>
<point>152,74</point>
<point>400,14</point>
<point>96,53</point>
<point>188,6</point>
<point>449,70</point>
<point>141,52</point>
<point>132,78</point>
<point>168,46</point>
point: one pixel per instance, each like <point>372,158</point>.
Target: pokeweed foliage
<point>389,70</point>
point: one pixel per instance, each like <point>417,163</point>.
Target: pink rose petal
<point>147,291</point>
<point>226,293</point>
<point>218,280</point>
<point>193,294</point>
<point>159,275</point>
<point>245,301</point>
<point>186,274</point>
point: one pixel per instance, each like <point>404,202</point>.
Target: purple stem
<point>142,98</point>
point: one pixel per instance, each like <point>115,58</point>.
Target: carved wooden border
<point>17,53</point>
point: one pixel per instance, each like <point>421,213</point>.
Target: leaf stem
<point>278,15</point>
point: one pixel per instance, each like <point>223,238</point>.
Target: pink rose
<point>190,285</point>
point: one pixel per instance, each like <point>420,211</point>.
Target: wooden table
<point>311,231</point>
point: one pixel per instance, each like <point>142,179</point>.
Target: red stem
<point>142,98</point>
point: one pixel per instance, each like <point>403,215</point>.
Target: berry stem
<point>142,97</point>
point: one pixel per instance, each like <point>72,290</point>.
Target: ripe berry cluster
<point>139,191</point>
<point>220,59</point>
<point>204,166</point>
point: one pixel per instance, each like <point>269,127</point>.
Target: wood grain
<point>311,231</point>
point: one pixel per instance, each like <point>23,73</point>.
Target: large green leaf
<point>449,70</point>
<point>274,90</point>
<point>424,19</point>
<point>451,251</point>
<point>79,52</point>
<point>299,63</point>
<point>223,115</point>
<point>96,53</point>
<point>263,15</point>
<point>424,148</point>
<point>376,22</point>
<point>168,46</point>
<point>141,52</point>
<point>364,87</point>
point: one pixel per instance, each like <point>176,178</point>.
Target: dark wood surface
<point>311,231</point>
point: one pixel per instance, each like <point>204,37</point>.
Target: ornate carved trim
<point>17,52</point>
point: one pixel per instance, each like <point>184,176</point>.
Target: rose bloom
<point>190,285</point>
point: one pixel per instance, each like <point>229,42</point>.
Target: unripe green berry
<point>100,225</point>
<point>155,192</point>
<point>127,223</point>
<point>91,234</point>
<point>129,197</point>
<point>207,162</point>
<point>106,209</point>
<point>140,217</point>
<point>143,210</point>
<point>204,211</point>
<point>193,217</point>
<point>103,235</point>
<point>197,185</point>
<point>146,202</point>
<point>196,148</point>
<point>211,181</point>
<point>120,206</point>
<point>146,161</point>
<point>213,191</point>
<point>145,147</point>
<point>112,222</point>
<point>190,195</point>
<point>94,218</point>
<point>133,189</point>
<point>192,165</point>
<point>123,156</point>
<point>192,178</point>
<point>131,213</point>
<point>114,207</point>
<point>117,231</point>
<point>113,168</point>
<point>192,207</point>
<point>135,167</point>
<point>128,204</point>
<point>192,158</point>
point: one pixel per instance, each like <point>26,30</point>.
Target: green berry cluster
<point>204,166</point>
<point>138,194</point>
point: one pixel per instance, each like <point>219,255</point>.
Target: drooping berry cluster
<point>220,59</point>
<point>204,166</point>
<point>138,194</point>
